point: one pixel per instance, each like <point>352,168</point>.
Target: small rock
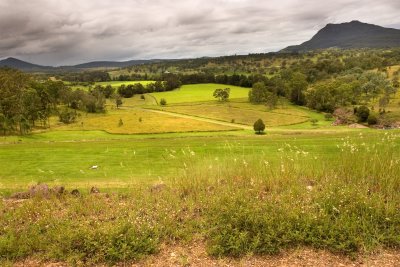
<point>39,190</point>
<point>94,190</point>
<point>158,187</point>
<point>59,190</point>
<point>75,192</point>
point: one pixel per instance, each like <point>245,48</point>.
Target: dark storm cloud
<point>59,32</point>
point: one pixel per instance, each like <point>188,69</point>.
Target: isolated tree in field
<point>259,126</point>
<point>222,94</point>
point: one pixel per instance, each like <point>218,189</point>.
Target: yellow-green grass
<point>243,112</point>
<point>137,121</point>
<point>136,101</point>
<point>237,115</point>
<point>199,93</point>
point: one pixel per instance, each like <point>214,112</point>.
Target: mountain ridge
<point>16,63</point>
<point>347,35</point>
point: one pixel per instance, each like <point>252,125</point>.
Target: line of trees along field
<point>26,102</point>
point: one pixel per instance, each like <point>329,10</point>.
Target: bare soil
<point>196,255</point>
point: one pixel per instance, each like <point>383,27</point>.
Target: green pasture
<point>67,157</point>
<point>199,93</point>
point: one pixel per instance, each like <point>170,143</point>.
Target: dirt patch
<point>357,125</point>
<point>196,255</point>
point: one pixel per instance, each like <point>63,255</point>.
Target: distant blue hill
<point>26,66</point>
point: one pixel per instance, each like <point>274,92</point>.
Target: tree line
<point>355,87</point>
<point>26,102</point>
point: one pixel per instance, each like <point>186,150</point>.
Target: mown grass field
<point>136,121</point>
<point>241,111</point>
<point>199,93</point>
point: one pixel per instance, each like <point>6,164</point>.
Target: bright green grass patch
<point>199,93</point>
<point>65,157</point>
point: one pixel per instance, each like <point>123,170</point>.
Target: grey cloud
<point>54,32</point>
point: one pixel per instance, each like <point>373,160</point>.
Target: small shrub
<point>163,102</point>
<point>372,119</point>
<point>233,121</point>
<point>120,123</point>
<point>314,122</point>
<point>142,97</point>
<point>362,112</point>
<point>328,116</point>
<point>140,119</point>
<point>67,116</point>
<point>118,102</point>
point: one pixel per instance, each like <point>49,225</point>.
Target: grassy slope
<point>138,121</point>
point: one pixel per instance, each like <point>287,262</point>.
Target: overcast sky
<point>59,32</point>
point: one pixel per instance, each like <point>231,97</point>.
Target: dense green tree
<point>297,86</point>
<point>258,93</point>
<point>222,94</point>
<point>271,100</point>
<point>259,126</point>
